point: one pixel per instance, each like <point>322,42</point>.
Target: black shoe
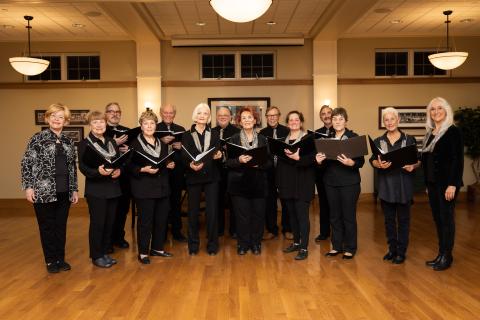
<point>332,253</point>
<point>242,251</point>
<point>399,259</point>
<point>389,256</point>
<point>302,254</point>
<point>347,256</point>
<point>180,238</point>
<point>193,252</point>
<point>123,244</point>
<point>157,253</point>
<point>431,263</point>
<point>321,237</point>
<point>62,265</point>
<point>52,267</point>
<point>443,263</point>
<point>110,250</point>
<point>102,263</point>
<point>144,260</point>
<point>256,250</point>
<point>292,248</point>
<point>110,259</point>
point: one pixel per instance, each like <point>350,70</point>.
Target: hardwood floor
<point>228,286</point>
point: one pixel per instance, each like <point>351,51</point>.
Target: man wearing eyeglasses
<point>276,131</point>
<point>114,115</point>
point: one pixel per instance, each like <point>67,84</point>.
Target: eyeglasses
<point>114,112</point>
<point>272,115</point>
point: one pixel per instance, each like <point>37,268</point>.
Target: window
<point>391,63</point>
<point>218,66</point>
<point>53,72</point>
<point>83,67</point>
<point>423,67</point>
<point>257,65</point>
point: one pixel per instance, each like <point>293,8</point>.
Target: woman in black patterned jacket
<point>49,178</point>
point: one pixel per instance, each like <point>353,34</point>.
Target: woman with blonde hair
<point>49,178</point>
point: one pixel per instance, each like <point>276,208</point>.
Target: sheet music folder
<point>259,155</point>
<point>131,133</point>
<point>94,159</point>
<point>398,158</point>
<point>306,145</point>
<point>202,157</point>
<point>352,148</point>
<point>144,160</point>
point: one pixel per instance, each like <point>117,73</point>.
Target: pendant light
<point>240,10</point>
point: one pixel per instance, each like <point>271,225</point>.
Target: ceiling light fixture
<point>450,59</point>
<point>271,23</point>
<point>78,25</point>
<point>396,21</point>
<point>27,65</point>
<point>200,23</point>
<point>240,11</point>
<point>467,20</point>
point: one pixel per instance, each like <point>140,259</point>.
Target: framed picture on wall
<point>77,117</point>
<point>74,133</point>
<point>234,104</point>
<point>419,139</point>
<point>410,117</point>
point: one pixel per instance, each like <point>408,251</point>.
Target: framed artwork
<point>234,104</point>
<point>419,139</point>
<point>74,133</point>
<point>410,117</point>
<point>77,117</point>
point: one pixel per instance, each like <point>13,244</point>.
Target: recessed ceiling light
<point>92,14</point>
<point>200,23</point>
<point>468,20</point>
<point>396,21</point>
<point>271,23</point>
<point>8,26</point>
<point>382,10</point>
<point>78,25</point>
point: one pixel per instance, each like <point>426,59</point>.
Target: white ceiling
<point>171,19</point>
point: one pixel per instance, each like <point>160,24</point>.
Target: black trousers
<point>102,214</point>
<point>177,184</point>
<point>118,229</point>
<point>152,223</point>
<point>444,216</point>
<point>224,202</point>
<point>250,216</point>
<point>211,194</point>
<point>271,209</point>
<point>343,216</point>
<point>299,220</point>
<point>52,223</point>
<point>397,226</point>
<point>324,214</point>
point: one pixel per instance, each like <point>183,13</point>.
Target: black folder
<point>131,133</point>
<point>164,133</point>
<point>318,135</point>
<point>144,160</point>
<point>306,145</point>
<point>352,148</point>
<point>259,155</point>
<point>398,158</point>
<point>201,157</point>
<point>94,159</point>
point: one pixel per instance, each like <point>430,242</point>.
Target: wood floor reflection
<point>228,286</point>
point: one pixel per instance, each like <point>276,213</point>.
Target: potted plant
<point>468,121</point>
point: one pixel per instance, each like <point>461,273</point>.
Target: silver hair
<point>389,110</point>
<point>448,109</point>
<point>198,107</point>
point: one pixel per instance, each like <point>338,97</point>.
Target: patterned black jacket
<point>38,166</point>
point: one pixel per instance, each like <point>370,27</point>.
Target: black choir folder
<point>306,146</point>
<point>201,157</point>
<point>398,158</point>
<point>352,148</point>
<point>94,159</point>
<point>144,160</point>
<point>131,133</point>
<point>259,155</point>
<point>164,133</point>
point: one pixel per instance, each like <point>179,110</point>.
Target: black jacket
<point>145,185</point>
<point>179,171</point>
<point>447,159</point>
<point>229,130</point>
<point>296,179</point>
<point>282,131</point>
<point>249,182</point>
<point>210,171</point>
<point>97,185</point>
<point>339,175</point>
<point>320,170</point>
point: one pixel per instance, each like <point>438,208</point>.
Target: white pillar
<point>149,79</point>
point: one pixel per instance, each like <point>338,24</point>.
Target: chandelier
<point>240,10</point>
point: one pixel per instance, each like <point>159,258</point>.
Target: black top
<point>281,130</point>
<point>320,170</point>
<point>228,131</point>
<point>249,182</point>
<point>179,169</point>
<point>124,177</point>
<point>337,174</point>
<point>394,185</point>
<point>446,159</point>
<point>145,185</point>
<point>209,172</point>
<point>61,168</point>
<point>97,185</point>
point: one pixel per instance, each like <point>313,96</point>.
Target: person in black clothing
<point>442,160</point>
<point>295,176</point>
<point>113,114</point>
<point>202,176</point>
<point>342,184</point>
<point>226,130</point>
<point>395,187</point>
<point>274,130</point>
<point>324,214</point>
<point>248,185</point>
<point>150,188</point>
<point>49,178</point>
<point>176,176</point>
<point>102,189</point>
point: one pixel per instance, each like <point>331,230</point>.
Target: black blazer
<point>282,131</point>
<point>145,185</point>
<point>296,179</point>
<point>229,130</point>
<point>210,171</point>
<point>178,172</point>
<point>97,185</point>
<point>338,175</point>
<point>447,159</point>
<point>249,182</point>
<point>320,170</point>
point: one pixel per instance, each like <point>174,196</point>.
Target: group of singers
<point>49,178</point>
